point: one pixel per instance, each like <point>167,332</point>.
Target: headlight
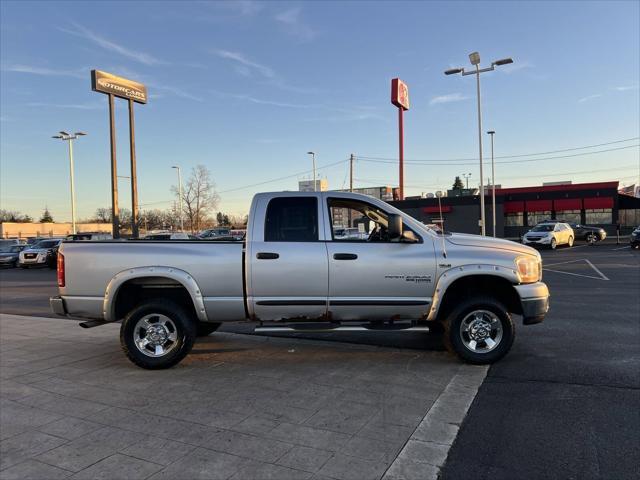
<point>529,269</point>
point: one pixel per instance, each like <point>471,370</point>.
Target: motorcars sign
<point>120,87</point>
<point>399,94</point>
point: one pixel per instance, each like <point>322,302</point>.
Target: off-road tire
<point>186,334</point>
<point>454,342</point>
<point>204,329</point>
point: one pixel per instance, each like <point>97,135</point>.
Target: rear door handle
<point>345,256</point>
<point>267,256</point>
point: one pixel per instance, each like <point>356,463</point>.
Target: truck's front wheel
<point>479,330</point>
<point>157,334</point>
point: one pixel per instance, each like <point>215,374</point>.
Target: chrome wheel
<point>570,241</point>
<point>481,331</point>
<point>155,335</point>
<point>553,244</point>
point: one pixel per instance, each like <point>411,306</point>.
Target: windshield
<point>45,244</point>
<point>543,228</point>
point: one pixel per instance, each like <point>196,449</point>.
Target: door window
<point>357,221</point>
<point>292,219</point>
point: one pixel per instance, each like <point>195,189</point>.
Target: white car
<point>550,235</point>
<point>36,254</point>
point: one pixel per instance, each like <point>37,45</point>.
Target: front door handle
<point>345,256</point>
<point>267,256</point>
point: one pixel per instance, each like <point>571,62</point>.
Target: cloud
<point>516,66</point>
<point>293,24</point>
<point>47,72</point>
<point>76,106</point>
<point>153,84</point>
<point>244,66</point>
<point>589,97</point>
<point>106,44</point>
<point>449,98</point>
<point>626,88</point>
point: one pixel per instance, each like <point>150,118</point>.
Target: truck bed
<point>215,266</point>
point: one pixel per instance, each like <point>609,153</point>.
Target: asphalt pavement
<point>565,402</point>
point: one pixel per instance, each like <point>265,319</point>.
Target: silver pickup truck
<point>293,273</point>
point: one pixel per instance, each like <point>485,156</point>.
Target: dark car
<point>634,239</point>
<point>9,255</point>
<point>585,232</point>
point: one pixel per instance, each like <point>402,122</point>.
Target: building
<point>34,230</point>
<point>518,209</point>
<point>322,185</point>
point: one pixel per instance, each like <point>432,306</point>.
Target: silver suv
<point>550,235</point>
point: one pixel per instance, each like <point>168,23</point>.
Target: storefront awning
<point>598,202</point>
<point>538,205</point>
<point>567,204</point>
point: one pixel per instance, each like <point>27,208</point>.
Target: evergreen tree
<point>457,184</point>
<point>46,216</point>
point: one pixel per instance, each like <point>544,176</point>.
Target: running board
<point>274,329</point>
<point>92,323</point>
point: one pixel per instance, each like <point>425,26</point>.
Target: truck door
<point>288,271</point>
<point>370,276</point>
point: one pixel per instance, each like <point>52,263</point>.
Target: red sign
<point>399,94</point>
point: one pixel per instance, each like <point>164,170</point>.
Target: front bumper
<point>536,241</point>
<point>534,300</point>
<point>57,306</point>
<point>39,260</point>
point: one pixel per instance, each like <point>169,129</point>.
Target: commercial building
<point>518,209</point>
<point>35,230</point>
<point>322,185</point>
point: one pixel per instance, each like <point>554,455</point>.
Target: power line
<point>453,163</point>
<point>503,156</point>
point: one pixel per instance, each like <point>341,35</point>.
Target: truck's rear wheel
<point>205,328</point>
<point>157,334</point>
<point>479,330</point>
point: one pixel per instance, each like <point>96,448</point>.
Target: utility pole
<point>180,196</point>
<point>313,159</point>
<point>493,184</point>
<point>351,172</point>
<point>466,177</point>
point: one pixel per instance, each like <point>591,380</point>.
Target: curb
<point>426,450</point>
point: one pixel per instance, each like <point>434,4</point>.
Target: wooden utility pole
<point>351,172</point>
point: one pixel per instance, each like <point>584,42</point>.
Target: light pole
<point>70,138</point>
<point>180,195</point>
<point>313,159</point>
<point>474,58</point>
<point>466,177</point>
<point>493,184</point>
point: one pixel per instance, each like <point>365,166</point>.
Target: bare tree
<point>199,197</point>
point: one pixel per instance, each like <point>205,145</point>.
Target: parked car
<point>219,233</point>
<point>291,274</point>
<point>587,233</point>
<point>82,236</point>
<point>634,239</point>
<point>9,255</point>
<point>36,254</point>
<point>7,242</point>
<point>550,235</point>
<point>167,236</point>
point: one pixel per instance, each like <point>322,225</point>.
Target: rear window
<point>292,219</point>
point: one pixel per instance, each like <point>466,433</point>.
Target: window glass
<point>533,218</point>
<point>600,215</point>
<point>358,221</point>
<point>292,219</point>
<point>570,216</point>
<point>514,220</point>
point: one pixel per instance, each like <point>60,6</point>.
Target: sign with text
<point>120,87</point>
<point>399,94</point>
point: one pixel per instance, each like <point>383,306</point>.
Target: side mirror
<point>409,237</point>
<point>395,226</point>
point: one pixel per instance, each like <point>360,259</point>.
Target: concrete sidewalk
<point>239,406</point>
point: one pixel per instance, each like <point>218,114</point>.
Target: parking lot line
<point>620,248</point>
<point>602,276</point>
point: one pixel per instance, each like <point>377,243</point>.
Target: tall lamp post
<point>180,196</point>
<point>474,58</point>
<point>313,159</point>
<point>466,177</point>
<point>70,138</point>
<point>493,184</point>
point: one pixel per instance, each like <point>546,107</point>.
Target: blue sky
<point>247,88</point>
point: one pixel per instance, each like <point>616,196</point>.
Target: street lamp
<point>466,176</point>
<point>180,195</point>
<point>313,158</point>
<point>474,58</point>
<point>70,138</point>
<point>493,184</point>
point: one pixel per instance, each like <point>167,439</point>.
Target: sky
<point>247,88</point>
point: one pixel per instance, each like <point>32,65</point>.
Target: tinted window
<point>292,219</point>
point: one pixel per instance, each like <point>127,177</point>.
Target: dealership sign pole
<point>131,91</point>
<point>400,98</point>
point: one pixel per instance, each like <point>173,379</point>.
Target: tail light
<point>60,269</point>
